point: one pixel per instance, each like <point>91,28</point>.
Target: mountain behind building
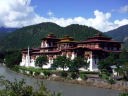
<point>13,38</point>
<point>120,34</point>
<point>32,35</point>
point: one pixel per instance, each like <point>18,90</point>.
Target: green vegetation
<point>119,61</point>
<point>64,74</point>
<point>83,76</point>
<point>13,58</point>
<point>61,62</point>
<point>123,94</point>
<point>41,60</point>
<point>32,35</point>
<point>111,81</point>
<point>72,65</point>
<point>46,73</point>
<point>77,63</point>
<point>123,62</point>
<point>20,88</point>
<point>106,63</point>
<point>33,71</point>
<point>5,31</point>
<point>74,75</point>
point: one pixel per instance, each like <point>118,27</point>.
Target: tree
<point>123,63</point>
<point>41,60</point>
<point>106,63</point>
<point>13,58</point>
<point>77,63</point>
<point>61,61</point>
<point>123,57</point>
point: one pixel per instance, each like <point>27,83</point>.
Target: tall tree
<point>123,56</point>
<point>77,63</point>
<point>12,58</point>
<point>61,61</point>
<point>41,60</point>
<point>106,63</point>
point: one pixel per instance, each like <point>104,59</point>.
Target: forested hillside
<point>32,35</point>
<point>4,31</point>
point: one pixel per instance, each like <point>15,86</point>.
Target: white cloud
<point>20,13</point>
<point>121,22</point>
<point>100,21</point>
<point>17,13</point>
<point>50,14</point>
<point>124,9</point>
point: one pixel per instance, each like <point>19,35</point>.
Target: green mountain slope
<point>32,35</point>
<point>4,31</point>
<point>120,34</point>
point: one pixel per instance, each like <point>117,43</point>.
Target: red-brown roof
<point>49,52</point>
<point>30,50</point>
<point>99,49</point>
<point>95,40</point>
<point>51,37</point>
<point>100,36</point>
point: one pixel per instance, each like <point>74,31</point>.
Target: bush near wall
<point>47,72</point>
<point>83,76</point>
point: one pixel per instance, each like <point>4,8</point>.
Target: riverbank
<point>90,82</point>
<point>67,89</point>
<point>97,83</point>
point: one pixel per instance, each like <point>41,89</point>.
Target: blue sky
<point>103,15</point>
<point>84,8</point>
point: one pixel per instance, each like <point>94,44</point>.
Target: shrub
<point>111,81</point>
<point>104,76</point>
<point>88,72</point>
<point>47,73</point>
<point>12,58</point>
<point>74,75</point>
<point>20,88</point>
<point>64,74</point>
<point>31,72</point>
<point>37,73</point>
<point>16,68</point>
<point>24,72</point>
<point>83,76</point>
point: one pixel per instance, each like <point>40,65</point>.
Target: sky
<point>103,15</point>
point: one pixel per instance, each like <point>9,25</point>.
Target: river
<point>64,88</point>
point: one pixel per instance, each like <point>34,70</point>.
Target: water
<point>64,88</point>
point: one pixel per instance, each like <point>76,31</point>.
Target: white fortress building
<point>93,49</point>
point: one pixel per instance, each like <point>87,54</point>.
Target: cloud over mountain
<point>18,13</point>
